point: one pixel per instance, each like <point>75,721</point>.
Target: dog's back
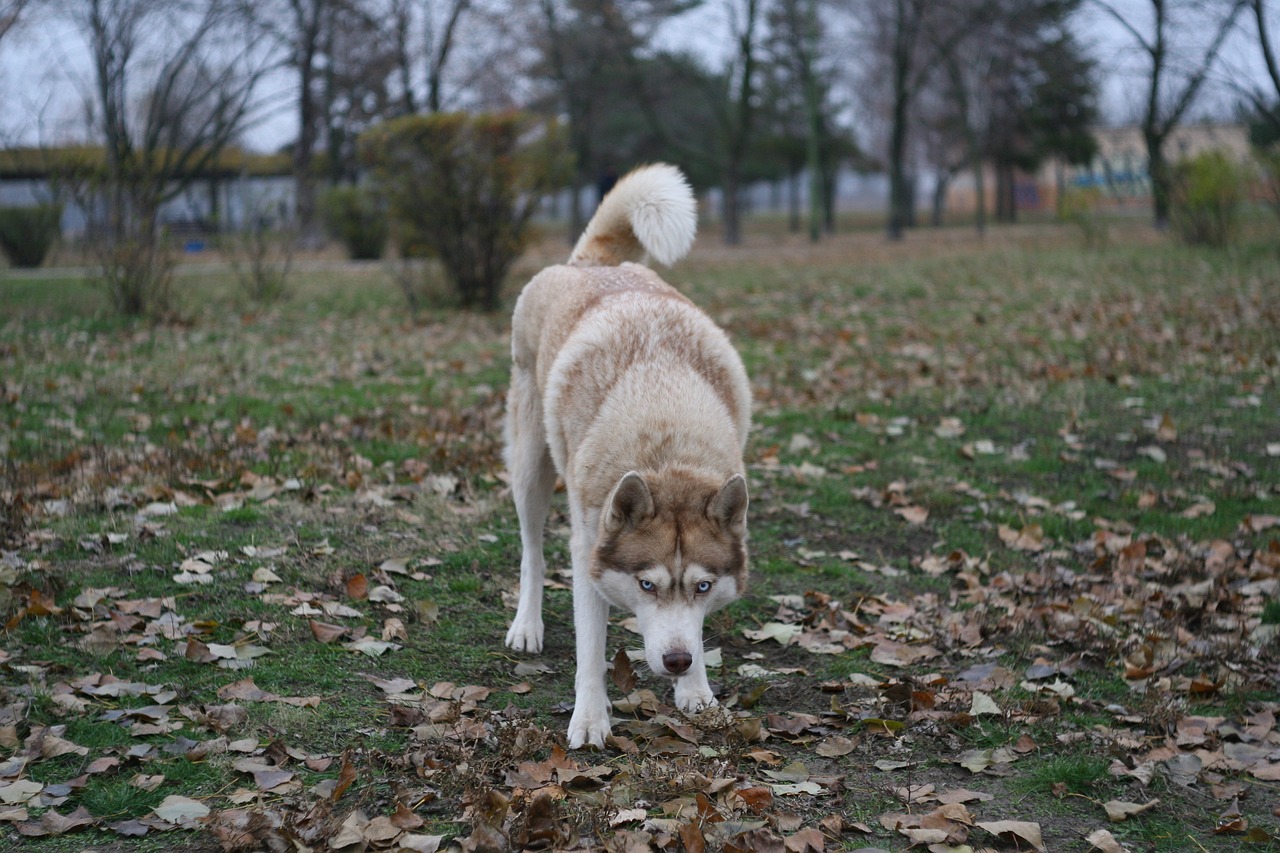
<point>631,373</point>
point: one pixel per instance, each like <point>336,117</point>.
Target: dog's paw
<point>525,635</point>
<point>588,726</point>
<point>693,698</point>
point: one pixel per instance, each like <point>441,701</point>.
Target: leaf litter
<point>1176,621</point>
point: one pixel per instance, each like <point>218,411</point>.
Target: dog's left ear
<point>630,503</point>
<point>729,507</point>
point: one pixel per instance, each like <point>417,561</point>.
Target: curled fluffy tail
<point>651,209</point>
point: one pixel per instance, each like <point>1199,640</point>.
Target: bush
<point>1205,197</point>
<point>1079,207</point>
<point>353,216</point>
<point>27,233</point>
<point>261,255</point>
<point>461,189</point>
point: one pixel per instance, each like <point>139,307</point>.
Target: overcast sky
<point>45,78</point>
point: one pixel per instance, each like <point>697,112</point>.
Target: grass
<point>1007,384</point>
<point>1074,774</point>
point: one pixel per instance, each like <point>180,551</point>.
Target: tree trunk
<point>828,197</point>
<point>897,172</point>
<point>898,132</point>
<point>732,225</point>
<point>303,154</point>
<point>940,198</point>
<point>1158,169</point>
<point>793,202</point>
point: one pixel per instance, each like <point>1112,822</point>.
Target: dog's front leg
<point>533,480</point>
<point>693,691</point>
<point>590,721</point>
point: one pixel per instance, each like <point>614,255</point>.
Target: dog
<point>639,402</point>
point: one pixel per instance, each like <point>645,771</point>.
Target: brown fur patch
<point>679,533</point>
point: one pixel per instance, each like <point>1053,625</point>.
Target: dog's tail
<point>651,209</point>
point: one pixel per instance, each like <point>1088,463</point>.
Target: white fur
<point>656,204</point>
<point>606,360</point>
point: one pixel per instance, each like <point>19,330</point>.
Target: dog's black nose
<point>677,662</point>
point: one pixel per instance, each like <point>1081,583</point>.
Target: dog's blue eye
<point>705,586</point>
<point>647,586</point>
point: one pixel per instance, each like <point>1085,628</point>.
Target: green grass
<point>1075,774</point>
<point>1059,361</point>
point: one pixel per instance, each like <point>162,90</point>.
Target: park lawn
<point>1015,532</point>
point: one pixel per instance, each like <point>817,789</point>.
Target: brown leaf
<point>406,818</point>
<point>758,798</point>
<point>394,629</point>
<point>1258,523</point>
<point>692,838</point>
<point>807,840</point>
<point>914,515</point>
<point>755,841</point>
<point>1015,830</point>
<point>623,675</point>
<point>357,587</point>
<point>1118,810</point>
<point>346,776</point>
<point>325,632</point>
<point>52,823</point>
<point>1103,840</point>
<point>198,651</point>
<point>835,746</point>
<point>1030,538</point>
<point>493,807</point>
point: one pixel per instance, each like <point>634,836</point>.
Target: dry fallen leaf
<point>1118,810</point>
<point>1016,830</point>
<point>1103,840</point>
<point>181,810</point>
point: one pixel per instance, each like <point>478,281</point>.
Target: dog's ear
<point>729,507</point>
<point>630,503</point>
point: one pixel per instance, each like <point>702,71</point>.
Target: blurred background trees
<point>794,93</point>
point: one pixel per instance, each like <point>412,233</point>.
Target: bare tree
<point>908,41</point>
<point>730,98</point>
<point>442,29</point>
<point>739,112</point>
<point>170,95</point>
<point>360,66</point>
<point>1266,103</point>
<point>1177,70</point>
<point>798,26</point>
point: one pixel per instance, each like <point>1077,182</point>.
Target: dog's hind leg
<point>590,721</point>
<point>533,480</point>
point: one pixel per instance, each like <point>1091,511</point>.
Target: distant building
<point>1118,172</point>
<point>226,195</point>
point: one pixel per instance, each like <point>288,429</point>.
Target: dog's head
<point>672,548</point>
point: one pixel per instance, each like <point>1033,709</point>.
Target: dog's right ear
<point>630,503</point>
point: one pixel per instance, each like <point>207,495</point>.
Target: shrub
<point>353,216</point>
<point>1206,195</point>
<point>1080,208</point>
<point>461,189</point>
<point>261,255</point>
<point>27,233</point>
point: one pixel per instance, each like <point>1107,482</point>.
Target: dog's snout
<point>677,662</point>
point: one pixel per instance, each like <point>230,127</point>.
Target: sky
<point>46,79</point>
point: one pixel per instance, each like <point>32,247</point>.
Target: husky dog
<point>641,404</point>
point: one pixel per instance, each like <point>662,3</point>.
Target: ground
<point>1015,534</point>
